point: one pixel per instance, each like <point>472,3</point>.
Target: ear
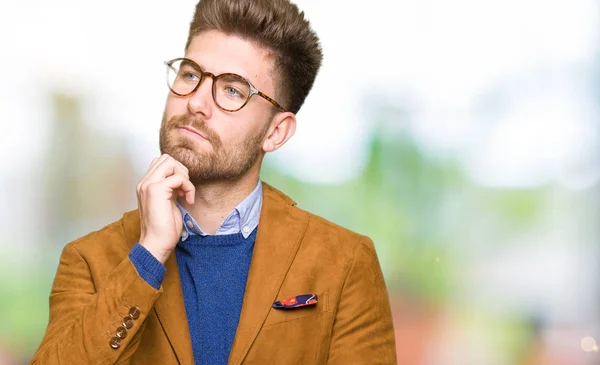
<point>283,127</point>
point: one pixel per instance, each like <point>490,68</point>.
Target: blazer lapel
<point>169,306</point>
<point>280,231</point>
<point>171,313</point>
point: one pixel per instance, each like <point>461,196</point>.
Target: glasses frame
<point>204,74</point>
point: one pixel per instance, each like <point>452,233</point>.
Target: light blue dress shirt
<point>243,218</point>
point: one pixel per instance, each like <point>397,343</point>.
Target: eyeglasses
<point>230,92</point>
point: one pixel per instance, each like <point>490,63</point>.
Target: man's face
<point>213,144</point>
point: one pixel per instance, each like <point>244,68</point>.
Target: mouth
<point>192,132</point>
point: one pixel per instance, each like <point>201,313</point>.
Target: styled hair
<point>275,25</point>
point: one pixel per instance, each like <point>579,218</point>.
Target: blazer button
<point>127,322</point>
<point>121,333</point>
<point>115,343</point>
<point>134,312</point>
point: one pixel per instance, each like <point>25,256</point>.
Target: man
<point>216,267</point>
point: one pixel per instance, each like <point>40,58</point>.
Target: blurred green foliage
<point>24,293</point>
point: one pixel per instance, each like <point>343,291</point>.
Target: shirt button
<point>190,224</point>
<point>184,234</point>
<point>246,229</point>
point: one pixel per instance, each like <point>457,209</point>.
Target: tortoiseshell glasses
<point>230,92</point>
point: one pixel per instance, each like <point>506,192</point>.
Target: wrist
<point>155,250</point>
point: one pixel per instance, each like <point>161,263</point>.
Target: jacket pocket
<point>285,315</point>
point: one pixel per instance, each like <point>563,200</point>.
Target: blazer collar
<point>280,231</point>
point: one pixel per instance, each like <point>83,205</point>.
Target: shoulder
<point>343,240</point>
<point>111,242</point>
<point>320,231</point>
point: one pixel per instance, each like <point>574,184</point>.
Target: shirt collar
<point>243,218</point>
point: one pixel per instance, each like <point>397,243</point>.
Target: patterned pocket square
<point>297,301</point>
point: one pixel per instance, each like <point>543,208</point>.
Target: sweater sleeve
<point>85,320</point>
<point>149,268</point>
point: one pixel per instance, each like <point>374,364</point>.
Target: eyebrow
<point>203,69</point>
<point>193,64</point>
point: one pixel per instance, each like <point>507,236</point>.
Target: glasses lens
<point>182,77</point>
<point>231,91</point>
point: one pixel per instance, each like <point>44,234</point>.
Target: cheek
<point>232,135</point>
<point>175,106</point>
<point>250,128</point>
<point>256,118</point>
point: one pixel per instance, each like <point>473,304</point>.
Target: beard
<point>223,163</point>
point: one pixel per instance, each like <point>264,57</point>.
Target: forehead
<point>219,53</point>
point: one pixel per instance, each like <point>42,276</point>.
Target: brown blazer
<point>295,253</point>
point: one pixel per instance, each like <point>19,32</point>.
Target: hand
<point>160,219</point>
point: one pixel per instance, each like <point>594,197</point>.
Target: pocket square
<point>297,301</point>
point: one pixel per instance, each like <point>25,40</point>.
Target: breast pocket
<point>276,316</point>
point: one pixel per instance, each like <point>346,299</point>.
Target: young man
<point>216,267</point>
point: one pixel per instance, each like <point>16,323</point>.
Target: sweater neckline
<point>219,240</point>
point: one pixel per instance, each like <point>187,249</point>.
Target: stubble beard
<point>221,164</point>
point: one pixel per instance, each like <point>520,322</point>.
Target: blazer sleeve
<point>363,331</point>
<point>84,318</point>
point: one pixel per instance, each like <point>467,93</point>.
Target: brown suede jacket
<point>97,289</point>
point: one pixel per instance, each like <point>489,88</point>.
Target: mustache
<point>179,121</point>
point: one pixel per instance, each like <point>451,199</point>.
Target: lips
<point>190,130</point>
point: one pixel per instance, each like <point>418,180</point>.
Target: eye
<point>189,76</point>
<point>232,86</point>
<point>232,91</point>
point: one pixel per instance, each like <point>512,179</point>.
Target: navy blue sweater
<point>214,271</point>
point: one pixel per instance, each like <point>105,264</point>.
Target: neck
<point>215,200</point>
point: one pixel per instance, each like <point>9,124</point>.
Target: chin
<point>187,156</point>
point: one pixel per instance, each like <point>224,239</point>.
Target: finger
<point>168,167</point>
<point>178,182</point>
<point>155,162</point>
<point>187,172</point>
<point>189,191</point>
<point>189,196</point>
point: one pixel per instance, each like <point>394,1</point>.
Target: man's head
<point>269,44</point>
<point>279,28</point>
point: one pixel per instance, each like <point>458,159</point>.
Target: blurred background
<point>462,136</point>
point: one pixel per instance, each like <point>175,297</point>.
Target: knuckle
<point>150,190</point>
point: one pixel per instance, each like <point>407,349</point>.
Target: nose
<point>201,101</point>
